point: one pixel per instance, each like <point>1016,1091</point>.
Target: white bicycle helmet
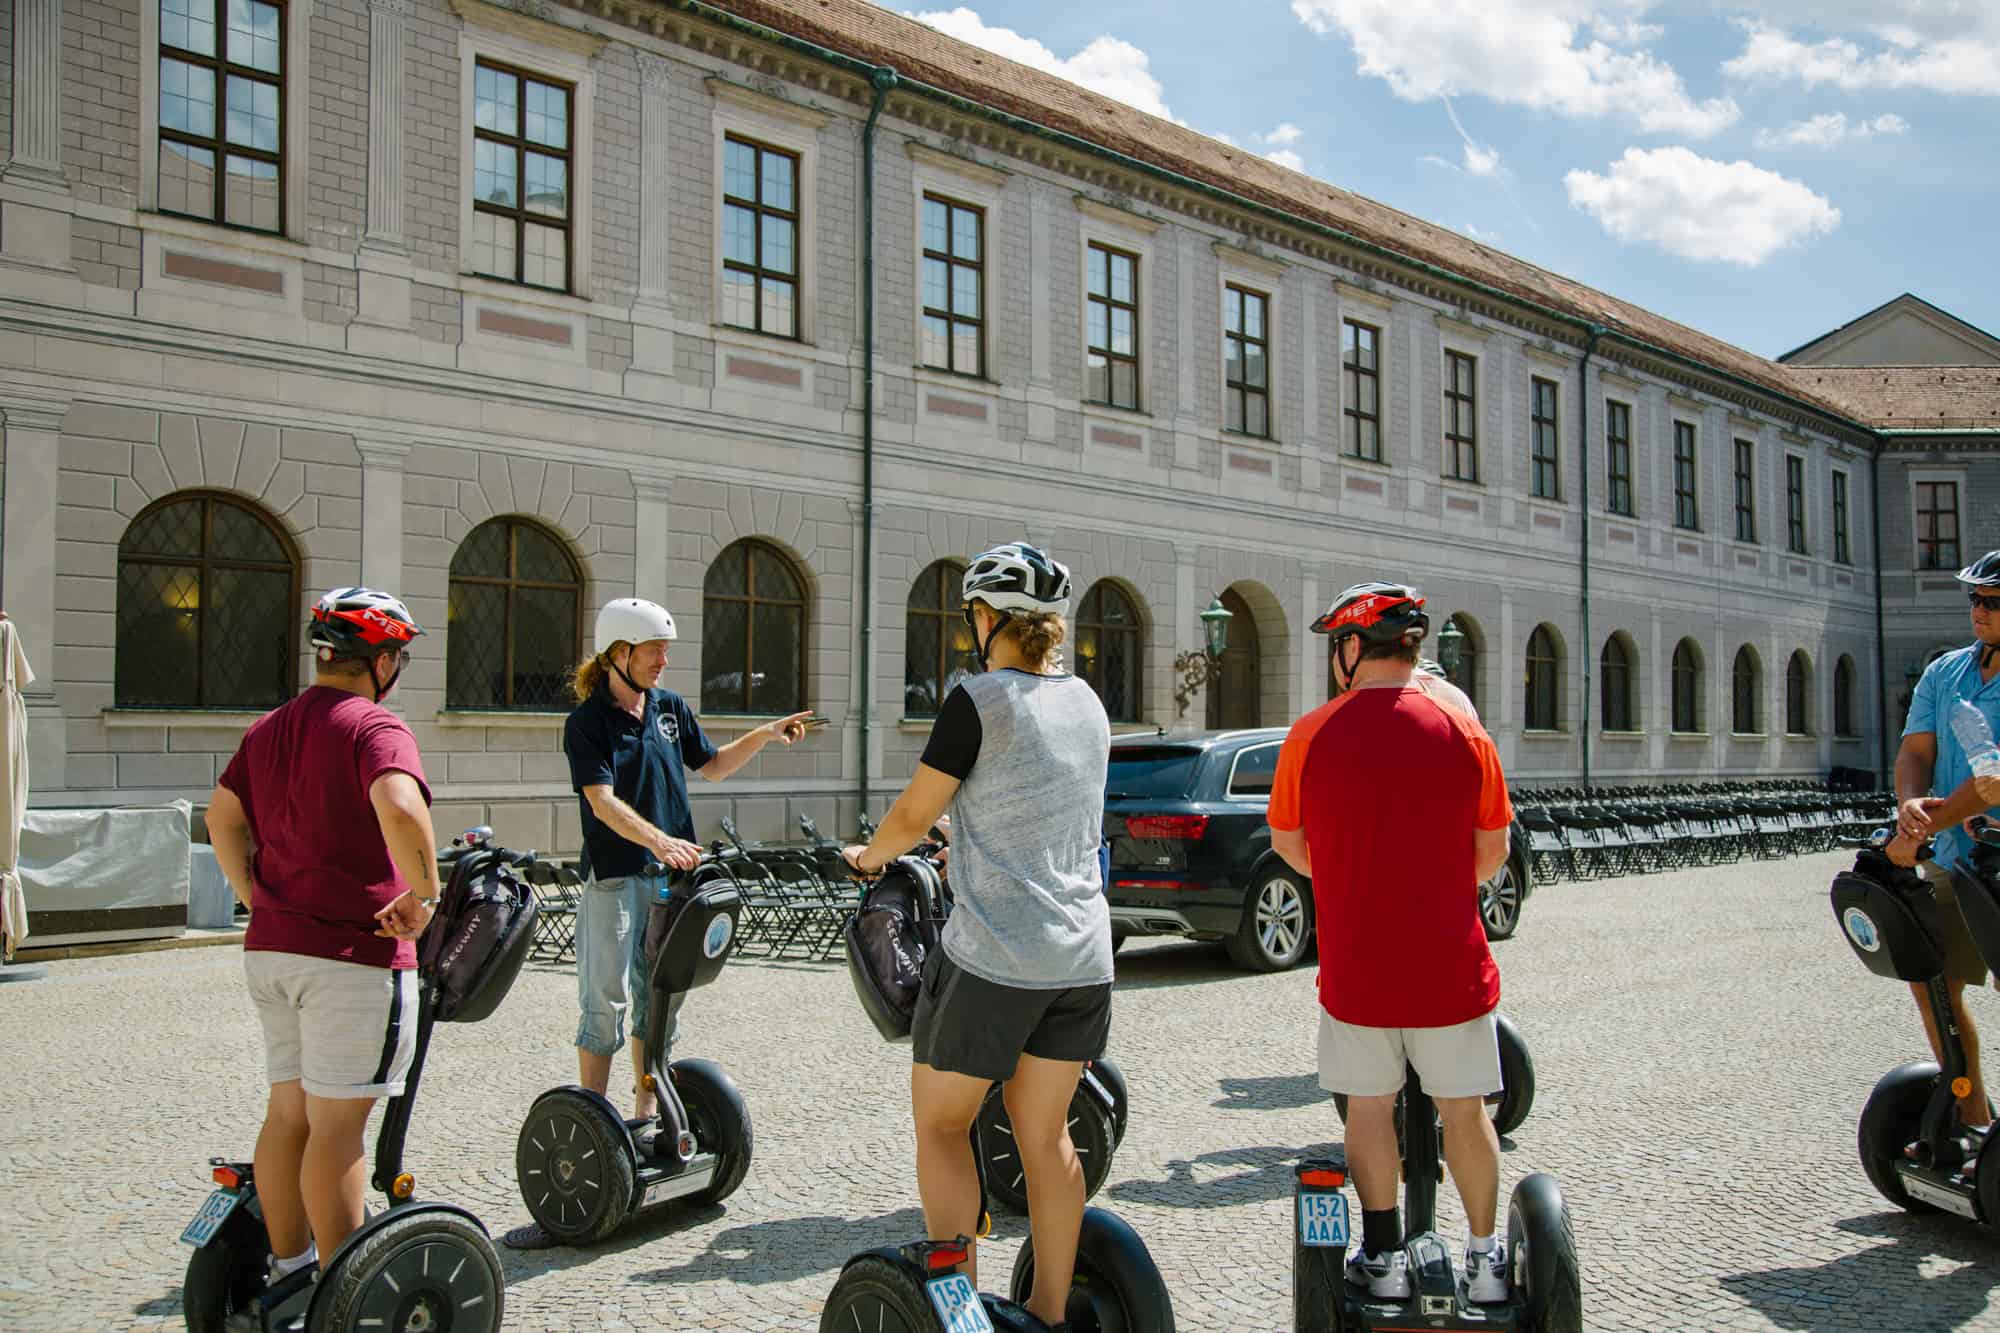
<point>633,620</point>
<point>1018,577</point>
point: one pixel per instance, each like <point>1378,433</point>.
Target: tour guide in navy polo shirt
<point>628,745</point>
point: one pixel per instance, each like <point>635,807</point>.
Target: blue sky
<point>1762,171</point>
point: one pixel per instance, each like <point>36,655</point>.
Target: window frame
<point>1626,697</point>
<point>1093,677</point>
<point>1918,481</point>
<point>1351,375</point>
<point>1844,675</point>
<point>1798,695</point>
<point>1686,669</point>
<point>1455,445</point>
<point>1618,459</point>
<point>1232,288</point>
<point>1843,550</point>
<point>1797,534</point>
<point>1687,499</point>
<point>521,146</point>
<point>1746,489</point>
<point>1545,428</point>
<point>951,574</point>
<point>948,257</point>
<point>1111,305</point>
<point>1551,665</point>
<point>753,546</point>
<point>759,210</point>
<point>512,583</point>
<point>1745,687</point>
<point>209,497</point>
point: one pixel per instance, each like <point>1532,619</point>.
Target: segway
<point>1507,1108</point>
<point>419,1265</point>
<point>583,1170</point>
<point>1097,1116</point>
<point>1914,1149</point>
<point>1545,1287</point>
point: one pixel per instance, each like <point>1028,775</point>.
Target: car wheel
<point>1277,922</point>
<point>1500,901</point>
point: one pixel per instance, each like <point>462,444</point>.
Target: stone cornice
<point>749,99</point>
<point>1548,356</point>
<point>530,23</point>
<point>1463,328</point>
<point>1382,302</point>
<point>1236,256</point>
<point>1099,211</point>
<point>993,178</point>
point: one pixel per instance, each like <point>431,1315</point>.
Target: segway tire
<point>1117,1288</point>
<point>1517,1079</point>
<point>1113,1079</point>
<point>721,1122</point>
<point>574,1162</point>
<point>877,1293</point>
<point>1090,1130</point>
<point>422,1267</point>
<point>226,1274</point>
<point>1319,1287</point>
<point>1541,1250</point>
<point>1891,1120</point>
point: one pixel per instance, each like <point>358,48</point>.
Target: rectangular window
<point>1246,361</point>
<point>1361,371</point>
<point>222,87</point>
<point>1111,307</point>
<point>954,286</point>
<point>1687,509</point>
<point>1795,504</point>
<point>1841,553</point>
<point>1618,457</point>
<point>1937,525</point>
<point>1545,480</point>
<point>520,177</point>
<point>1461,421</point>
<point>760,238</point>
<point>1746,491</point>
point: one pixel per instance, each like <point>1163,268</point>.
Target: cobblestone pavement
<point>1703,1042</point>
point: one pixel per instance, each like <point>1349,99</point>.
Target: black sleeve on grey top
<point>954,742</point>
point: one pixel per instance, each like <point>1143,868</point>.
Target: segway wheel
<point>226,1274</point>
<point>1113,1079</point>
<point>1541,1251</point>
<point>1510,1106</point>
<point>421,1268</point>
<point>1090,1130</point>
<point>721,1122</point>
<point>877,1294</point>
<point>1319,1287</point>
<point>1117,1288</point>
<point>574,1162</point>
<point>1890,1122</point>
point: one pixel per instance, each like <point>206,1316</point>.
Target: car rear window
<point>1152,771</point>
<point>1254,772</point>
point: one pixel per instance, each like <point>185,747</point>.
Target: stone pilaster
<point>652,314</point>
<point>34,193</point>
<point>654,496</point>
<point>384,258</point>
<point>33,427</point>
<point>382,513</point>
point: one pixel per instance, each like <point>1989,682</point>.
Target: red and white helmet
<point>360,622</point>
<point>1378,612</point>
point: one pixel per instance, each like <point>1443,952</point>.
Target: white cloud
<point>1481,235</point>
<point>1966,62</point>
<point>1699,208</point>
<point>1285,157</point>
<point>1828,129</point>
<point>1285,135</point>
<point>1532,53</point>
<point>1108,65</point>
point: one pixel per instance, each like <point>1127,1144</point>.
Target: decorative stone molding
<point>1349,292</point>
<point>1746,425</point>
<point>749,99</point>
<point>993,178</point>
<point>1460,327</point>
<point>388,24</point>
<point>401,9</point>
<point>38,76</point>
<point>32,413</point>
<point>383,454</point>
<point>655,72</point>
<point>538,26</point>
<point>650,488</point>
<point>1548,356</point>
<point>1116,216</point>
<point>1613,379</point>
<point>1238,257</point>
<point>1685,405</point>
<point>655,177</point>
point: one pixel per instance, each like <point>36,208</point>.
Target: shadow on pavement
<point>789,1248</point>
<point>1883,1286</point>
<point>1182,964</point>
<point>644,1230</point>
<point>1281,1093</point>
<point>1261,1174</point>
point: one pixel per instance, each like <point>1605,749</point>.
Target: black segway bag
<point>474,948</point>
<point>1889,918</point>
<point>888,938</point>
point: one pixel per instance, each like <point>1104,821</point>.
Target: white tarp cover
<point>14,673</point>
<point>94,860</point>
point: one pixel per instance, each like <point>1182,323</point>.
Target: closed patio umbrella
<point>14,673</point>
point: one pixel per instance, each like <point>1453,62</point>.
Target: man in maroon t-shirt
<point>322,825</point>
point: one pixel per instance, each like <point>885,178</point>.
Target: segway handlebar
<point>1882,837</point>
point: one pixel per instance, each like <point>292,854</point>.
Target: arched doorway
<point>1233,700</point>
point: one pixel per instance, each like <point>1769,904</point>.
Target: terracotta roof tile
<point>1910,397</point>
<point>881,36</point>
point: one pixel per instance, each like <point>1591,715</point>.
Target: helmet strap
<point>630,684</point>
<point>1987,652</point>
<point>987,647</point>
<point>382,688</point>
<point>1343,674</point>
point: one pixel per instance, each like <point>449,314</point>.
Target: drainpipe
<point>1881,647</point>
<point>1595,331</point>
<point>883,78</point>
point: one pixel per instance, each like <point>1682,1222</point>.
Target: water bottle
<point>1975,737</point>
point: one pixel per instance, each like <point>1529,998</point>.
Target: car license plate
<point>1323,1219</point>
<point>215,1210</point>
<point>957,1304</point>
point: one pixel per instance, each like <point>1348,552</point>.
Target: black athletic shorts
<point>965,1024</point>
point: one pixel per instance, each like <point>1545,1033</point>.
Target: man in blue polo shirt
<point>1937,790</point>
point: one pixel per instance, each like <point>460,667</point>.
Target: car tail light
<point>1176,828</point>
<point>1152,884</point>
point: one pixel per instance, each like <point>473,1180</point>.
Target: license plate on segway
<point>1323,1219</point>
<point>957,1304</point>
<point>214,1211</point>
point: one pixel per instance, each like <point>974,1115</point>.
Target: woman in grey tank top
<point>1020,992</point>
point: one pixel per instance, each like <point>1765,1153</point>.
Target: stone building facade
<point>389,370</point>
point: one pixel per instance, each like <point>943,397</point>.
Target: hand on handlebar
<point>851,856</point>
<point>1913,817</point>
<point>1902,850</point>
<point>674,852</point>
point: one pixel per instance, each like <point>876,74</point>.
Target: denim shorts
<point>611,980</point>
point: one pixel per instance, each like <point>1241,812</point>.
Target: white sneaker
<point>1385,1275</point>
<point>1486,1274</point>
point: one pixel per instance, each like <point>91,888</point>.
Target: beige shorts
<point>340,1029</point>
<point>1458,1061</point>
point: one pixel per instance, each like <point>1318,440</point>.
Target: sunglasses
<point>1984,603</point>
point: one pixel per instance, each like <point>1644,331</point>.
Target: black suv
<point>1191,854</point>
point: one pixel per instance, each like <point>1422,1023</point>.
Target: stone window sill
<point>1622,735</point>
<point>116,718</point>
<point>520,720</point>
<point>1544,733</point>
<point>1688,736</point>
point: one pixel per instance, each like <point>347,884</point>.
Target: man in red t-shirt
<point>1393,804</point>
<point>322,825</point>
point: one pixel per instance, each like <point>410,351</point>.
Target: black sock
<point>1380,1231</point>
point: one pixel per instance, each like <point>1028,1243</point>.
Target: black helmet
<point>1378,612</point>
<point>1983,572</point>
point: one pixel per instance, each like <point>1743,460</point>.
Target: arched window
<point>1544,681</point>
<point>1615,680</point>
<point>753,632</point>
<point>1687,701</point>
<point>1233,700</point>
<point>1107,648</point>
<point>208,607</point>
<point>938,650</point>
<point>1466,674</point>
<point>514,620</point>
<point>1745,683</point>
<point>1843,696</point>
<point>1798,695</point>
